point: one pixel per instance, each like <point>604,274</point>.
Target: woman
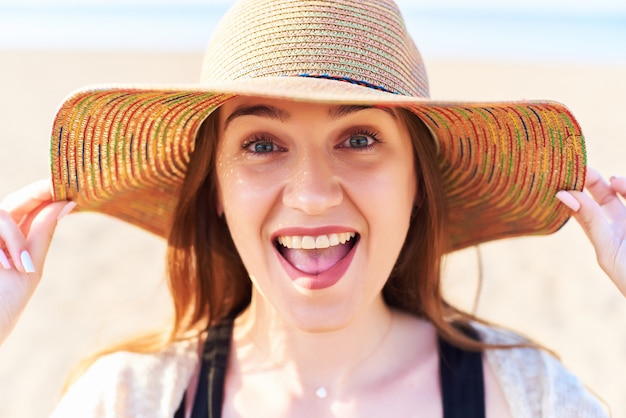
<point>308,220</point>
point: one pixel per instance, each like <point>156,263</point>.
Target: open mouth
<point>314,255</point>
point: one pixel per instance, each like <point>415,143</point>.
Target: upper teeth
<point>308,242</point>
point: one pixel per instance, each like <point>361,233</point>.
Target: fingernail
<point>614,178</point>
<point>66,210</point>
<point>4,260</point>
<point>568,200</point>
<point>27,262</point>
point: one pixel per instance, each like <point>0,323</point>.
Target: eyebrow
<point>273,112</point>
<point>266,111</point>
<point>344,110</point>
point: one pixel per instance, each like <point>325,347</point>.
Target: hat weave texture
<point>124,150</point>
<point>352,39</point>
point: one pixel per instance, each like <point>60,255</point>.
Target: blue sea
<point>598,37</point>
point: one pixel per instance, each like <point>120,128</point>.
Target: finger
<point>42,230</point>
<point>26,223</point>
<point>4,261</point>
<point>24,200</point>
<point>618,184</point>
<point>589,215</point>
<point>13,238</point>
<point>605,195</point>
<point>28,218</point>
<point>27,250</point>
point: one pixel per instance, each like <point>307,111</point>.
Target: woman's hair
<point>207,278</point>
<point>414,285</point>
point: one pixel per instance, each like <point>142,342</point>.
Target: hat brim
<point>123,151</point>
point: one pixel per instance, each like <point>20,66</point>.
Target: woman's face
<point>318,200</point>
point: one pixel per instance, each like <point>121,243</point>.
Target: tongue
<point>315,261</point>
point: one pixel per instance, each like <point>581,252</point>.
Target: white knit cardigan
<point>130,385</point>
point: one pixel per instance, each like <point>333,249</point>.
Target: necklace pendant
<point>321,392</point>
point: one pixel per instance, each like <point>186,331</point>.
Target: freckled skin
<point>314,171</point>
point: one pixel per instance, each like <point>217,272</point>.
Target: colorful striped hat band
<point>124,150</point>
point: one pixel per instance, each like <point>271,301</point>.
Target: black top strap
<point>460,371</point>
<point>210,391</point>
<point>462,382</point>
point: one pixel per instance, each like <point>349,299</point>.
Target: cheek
<point>387,204</point>
<point>246,200</point>
<point>387,193</point>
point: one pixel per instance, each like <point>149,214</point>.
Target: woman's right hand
<point>28,218</point>
<point>601,213</point>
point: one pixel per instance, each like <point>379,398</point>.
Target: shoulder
<point>534,382</point>
<point>125,384</point>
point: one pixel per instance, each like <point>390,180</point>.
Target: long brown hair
<point>414,285</point>
<point>207,279</point>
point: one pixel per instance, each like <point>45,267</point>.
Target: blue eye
<point>261,145</point>
<point>360,141</point>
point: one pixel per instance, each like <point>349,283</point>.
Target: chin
<point>320,319</point>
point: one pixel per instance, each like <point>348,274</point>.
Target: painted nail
<point>568,200</point>
<point>4,260</point>
<point>66,210</point>
<point>27,262</point>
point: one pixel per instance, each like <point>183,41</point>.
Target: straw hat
<point>123,150</point>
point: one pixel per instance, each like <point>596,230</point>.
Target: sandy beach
<point>104,279</point>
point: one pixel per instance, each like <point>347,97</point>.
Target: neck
<point>313,358</point>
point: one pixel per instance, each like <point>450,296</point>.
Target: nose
<point>313,185</point>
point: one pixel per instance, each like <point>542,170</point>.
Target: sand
<point>104,279</point>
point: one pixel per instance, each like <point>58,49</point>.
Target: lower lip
<point>320,281</point>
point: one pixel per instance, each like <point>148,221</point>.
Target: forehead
<point>284,110</point>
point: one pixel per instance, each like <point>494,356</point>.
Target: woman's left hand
<point>602,215</point>
<point>28,218</point>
